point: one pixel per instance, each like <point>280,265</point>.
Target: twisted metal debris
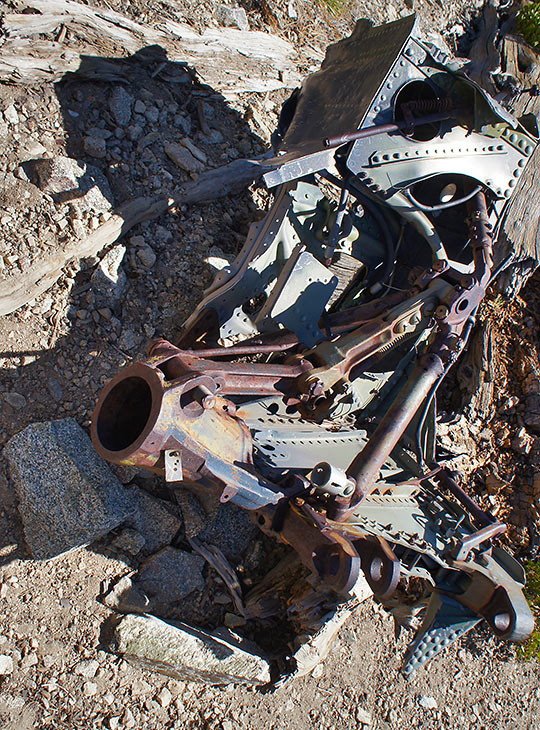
<point>304,385</point>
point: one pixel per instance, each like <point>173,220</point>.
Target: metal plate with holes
<point>173,466</point>
<point>299,301</point>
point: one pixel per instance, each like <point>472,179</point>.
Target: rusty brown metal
<point>366,465</point>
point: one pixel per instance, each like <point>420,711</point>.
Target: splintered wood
<point>264,63</point>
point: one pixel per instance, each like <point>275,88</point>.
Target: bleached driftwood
<point>231,61</point>
<point>19,289</point>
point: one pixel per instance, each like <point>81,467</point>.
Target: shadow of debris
<point>118,116</point>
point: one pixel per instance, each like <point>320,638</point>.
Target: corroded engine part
<point>327,338</point>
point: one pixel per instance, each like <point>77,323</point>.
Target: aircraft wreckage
<point>303,386</point>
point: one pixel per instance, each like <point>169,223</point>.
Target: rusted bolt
<point>209,401</point>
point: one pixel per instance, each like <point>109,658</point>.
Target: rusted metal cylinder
<point>365,467</point>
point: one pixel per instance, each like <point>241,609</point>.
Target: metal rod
<point>365,467</point>
<point>443,479</point>
<point>386,128</point>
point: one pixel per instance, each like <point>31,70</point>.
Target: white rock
<point>428,703</point>
<point>6,665</point>
<point>90,689</point>
<point>232,17</point>
<point>363,716</point>
<point>10,115</point>
<point>109,280</point>
<point>164,697</point>
<point>183,652</point>
<point>87,668</point>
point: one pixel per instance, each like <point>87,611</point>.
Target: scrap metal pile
<point>304,385</point>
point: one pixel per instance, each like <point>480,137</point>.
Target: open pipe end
<point>126,412</point>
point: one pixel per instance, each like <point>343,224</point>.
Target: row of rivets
<point>386,157</point>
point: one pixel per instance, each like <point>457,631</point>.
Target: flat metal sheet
<point>335,99</point>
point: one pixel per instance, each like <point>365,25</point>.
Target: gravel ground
<point>58,351</point>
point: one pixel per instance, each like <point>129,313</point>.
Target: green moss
<point>531,648</point>
<point>528,23</point>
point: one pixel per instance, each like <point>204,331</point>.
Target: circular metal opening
<point>448,193</point>
<point>376,570</point>
<point>421,100</point>
<point>124,413</point>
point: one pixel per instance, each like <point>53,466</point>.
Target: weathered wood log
<point>231,61</point>
<point>484,55</point>
<point>46,270</point>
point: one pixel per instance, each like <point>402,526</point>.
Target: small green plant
<point>336,7</point>
<point>528,23</point>
<point>531,648</point>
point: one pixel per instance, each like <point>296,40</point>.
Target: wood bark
<point>230,61</point>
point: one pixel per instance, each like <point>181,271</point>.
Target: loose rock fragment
<point>128,541</point>
<point>68,496</point>
<point>109,279</point>
<point>15,400</point>
<point>67,179</point>
<point>232,17</point>
<point>6,665</point>
<point>428,703</point>
<point>182,157</point>
<point>126,597</point>
<point>183,652</point>
<point>11,115</point>
<point>169,575</point>
<point>156,520</point>
<point>95,147</point>
<point>120,105</point>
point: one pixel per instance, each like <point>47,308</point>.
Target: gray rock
<point>68,496</point>
<point>126,597</point>
<point>231,529</point>
<point>99,132</point>
<point>531,417</point>
<point>169,575</point>
<point>232,17</point>
<point>55,389</point>
<point>6,665</point>
<point>140,107</point>
<point>11,115</point>
<point>120,105</point>
<point>128,541</point>
<point>127,340</point>
<point>152,114</point>
<point>67,179</point>
<point>156,520</point>
<point>95,147</point>
<point>15,400</point>
<point>184,123</point>
<point>109,279</point>
<point>186,653</point>
<point>134,131</point>
<point>146,256</point>
<point>183,158</point>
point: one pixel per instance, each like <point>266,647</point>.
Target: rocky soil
<point>113,142</point>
